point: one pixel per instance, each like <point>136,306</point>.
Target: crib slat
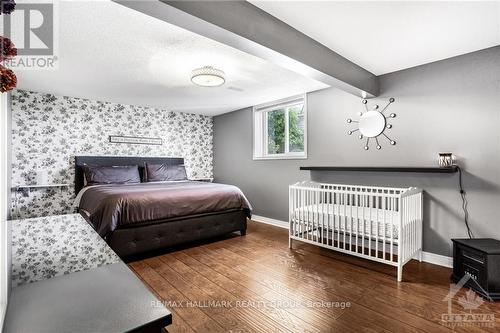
<point>295,211</point>
<point>350,223</point>
<point>420,221</point>
<point>400,217</point>
<point>408,230</point>
<point>356,203</point>
<point>335,219</point>
<point>295,207</point>
<point>344,219</point>
<point>336,216</point>
<point>412,227</point>
<point>403,230</point>
<point>321,217</point>
<point>410,241</point>
<point>401,240</point>
<point>393,200</point>
<point>308,215</point>
<point>339,220</point>
<point>332,197</point>
<point>325,214</point>
<point>384,227</point>
<point>408,227</point>
<point>316,216</point>
<point>376,226</point>
<point>362,225</point>
<point>415,223</point>
<point>369,225</point>
<point>299,205</point>
<point>302,212</point>
<point>405,237</point>
<point>313,216</point>
<point>405,253</point>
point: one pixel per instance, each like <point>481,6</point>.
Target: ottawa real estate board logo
<point>473,313</point>
<point>33,28</point>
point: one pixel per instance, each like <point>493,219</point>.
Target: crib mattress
<point>343,218</point>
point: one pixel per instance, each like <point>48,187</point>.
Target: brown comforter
<point>109,207</point>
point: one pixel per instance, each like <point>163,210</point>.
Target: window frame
<point>260,136</point>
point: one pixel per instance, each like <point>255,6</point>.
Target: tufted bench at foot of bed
<point>139,239</point>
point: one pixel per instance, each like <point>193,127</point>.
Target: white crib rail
<point>366,221</point>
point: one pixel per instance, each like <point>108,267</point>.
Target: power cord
<point>464,202</point>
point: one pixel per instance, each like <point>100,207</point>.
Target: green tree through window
<point>296,128</point>
<point>277,131</point>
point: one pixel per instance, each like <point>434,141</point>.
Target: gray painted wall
<point>450,105</point>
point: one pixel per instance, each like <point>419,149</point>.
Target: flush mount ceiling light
<point>208,76</point>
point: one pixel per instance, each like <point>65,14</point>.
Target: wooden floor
<point>256,284</point>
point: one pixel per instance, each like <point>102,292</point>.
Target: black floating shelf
<point>451,169</point>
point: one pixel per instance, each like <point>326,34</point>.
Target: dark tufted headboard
<point>117,160</point>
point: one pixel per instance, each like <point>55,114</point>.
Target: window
<point>280,129</point>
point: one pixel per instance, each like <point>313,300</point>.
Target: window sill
<point>289,157</point>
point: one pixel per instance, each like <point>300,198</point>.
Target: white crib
<point>377,223</point>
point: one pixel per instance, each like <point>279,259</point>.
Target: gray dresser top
<point>45,247</point>
<point>69,280</point>
<point>108,299</point>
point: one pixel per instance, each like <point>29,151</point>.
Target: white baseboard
<point>428,257</point>
<point>267,220</point>
<point>437,259</point>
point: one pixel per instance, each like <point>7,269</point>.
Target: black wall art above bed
<point>48,131</point>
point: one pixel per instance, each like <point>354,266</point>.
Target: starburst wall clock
<point>372,124</point>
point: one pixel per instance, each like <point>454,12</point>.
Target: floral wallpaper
<point>45,247</point>
<point>48,131</point>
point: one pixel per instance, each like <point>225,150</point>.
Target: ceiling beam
<point>246,27</point>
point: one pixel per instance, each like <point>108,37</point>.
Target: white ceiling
<point>112,53</point>
<point>384,37</point>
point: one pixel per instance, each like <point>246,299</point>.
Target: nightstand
<point>479,260</point>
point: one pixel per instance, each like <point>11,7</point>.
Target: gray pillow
<point>164,172</point>
<point>97,175</point>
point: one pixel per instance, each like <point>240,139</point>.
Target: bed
<point>142,217</point>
